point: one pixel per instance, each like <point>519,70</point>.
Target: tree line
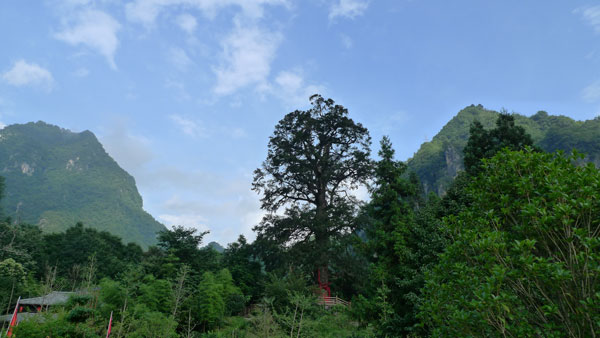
<point>511,249</point>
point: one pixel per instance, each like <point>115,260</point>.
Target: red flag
<point>13,321</point>
<point>109,326</point>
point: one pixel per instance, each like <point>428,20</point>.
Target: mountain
<point>55,178</point>
<point>216,246</point>
<point>437,162</point>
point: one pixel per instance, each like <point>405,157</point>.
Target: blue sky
<point>185,93</point>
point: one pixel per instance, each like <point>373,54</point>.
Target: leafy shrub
<point>79,314</point>
<point>525,257</point>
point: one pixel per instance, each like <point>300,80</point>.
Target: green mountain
<point>437,162</point>
<point>55,178</point>
<point>216,246</point>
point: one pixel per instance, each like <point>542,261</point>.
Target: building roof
<point>20,317</point>
<point>53,298</point>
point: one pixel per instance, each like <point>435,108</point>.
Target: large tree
<point>315,158</point>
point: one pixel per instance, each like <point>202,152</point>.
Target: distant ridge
<point>438,161</point>
<point>55,178</point>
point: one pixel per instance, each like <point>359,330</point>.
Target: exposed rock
<point>454,161</point>
<point>26,169</point>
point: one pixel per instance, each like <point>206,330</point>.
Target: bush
<point>525,257</point>
<point>79,314</point>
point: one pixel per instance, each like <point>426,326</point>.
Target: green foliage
<point>314,158</point>
<point>566,134</point>
<point>155,294</point>
<point>485,144</point>
<point>438,161</point>
<point>10,270</point>
<point>144,323</point>
<point>400,242</point>
<point>21,242</point>
<point>12,278</point>
<point>524,256</point>
<point>330,324</point>
<point>231,294</point>
<point>280,288</point>
<point>81,246</point>
<point>54,325</point>
<point>211,304</point>
<point>79,314</point>
<point>184,246</point>
<point>78,300</point>
<point>513,251</point>
<point>246,270</point>
<point>56,178</point>
<point>112,296</point>
<point>363,310</point>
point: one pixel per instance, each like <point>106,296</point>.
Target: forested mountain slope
<point>437,162</point>
<point>55,178</point>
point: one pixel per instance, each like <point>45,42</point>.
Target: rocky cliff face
<point>454,161</point>
<point>55,178</point>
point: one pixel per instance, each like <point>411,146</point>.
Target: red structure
<point>323,286</point>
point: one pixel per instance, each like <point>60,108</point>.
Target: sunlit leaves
<point>524,260</point>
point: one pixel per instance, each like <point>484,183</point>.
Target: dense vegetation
<point>438,161</point>
<point>55,178</point>
<point>511,249</point>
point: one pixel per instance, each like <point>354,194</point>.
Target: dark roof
<point>53,298</point>
<point>20,317</point>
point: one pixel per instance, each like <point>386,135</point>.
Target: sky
<point>184,94</point>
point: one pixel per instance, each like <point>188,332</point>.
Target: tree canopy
<point>524,256</point>
<point>315,158</point>
<point>486,143</point>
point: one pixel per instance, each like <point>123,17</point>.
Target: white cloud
<point>188,127</point>
<point>75,3</point>
<point>187,220</point>
<point>187,23</point>
<point>132,152</point>
<point>179,58</point>
<point>591,93</point>
<point>28,74</point>
<point>591,15</point>
<point>146,11</point>
<point>207,200</point>
<point>96,30</point>
<point>247,51</point>
<point>247,56</point>
<point>292,89</point>
<point>225,216</point>
<point>348,8</point>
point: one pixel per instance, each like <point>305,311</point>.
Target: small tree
<point>211,305</point>
<point>403,240</point>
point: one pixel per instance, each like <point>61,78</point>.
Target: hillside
<point>437,162</point>
<point>55,178</point>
